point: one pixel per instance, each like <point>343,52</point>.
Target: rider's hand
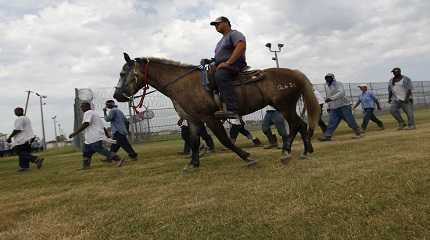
<point>71,135</point>
<point>9,140</point>
<point>327,100</point>
<point>223,65</point>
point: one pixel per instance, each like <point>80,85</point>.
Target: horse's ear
<point>127,58</point>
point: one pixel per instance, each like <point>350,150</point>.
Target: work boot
<point>256,142</point>
<point>86,164</point>
<point>358,133</point>
<point>273,142</point>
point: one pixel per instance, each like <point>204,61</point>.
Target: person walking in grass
<point>238,126</point>
<point>21,138</point>
<point>339,108</point>
<point>119,129</point>
<point>95,133</point>
<point>274,117</point>
<point>368,101</point>
<point>400,97</point>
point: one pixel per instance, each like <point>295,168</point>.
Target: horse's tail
<point>311,103</point>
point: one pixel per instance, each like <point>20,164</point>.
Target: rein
<point>180,77</point>
<point>146,84</point>
<point>144,88</point>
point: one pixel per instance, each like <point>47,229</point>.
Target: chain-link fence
<point>165,118</point>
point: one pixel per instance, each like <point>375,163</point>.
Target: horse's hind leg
<point>300,126</point>
<point>219,131</point>
<point>296,125</point>
<point>195,144</point>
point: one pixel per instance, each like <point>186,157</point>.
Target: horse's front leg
<point>195,144</point>
<point>218,130</point>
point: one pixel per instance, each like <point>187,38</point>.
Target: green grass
<point>377,187</point>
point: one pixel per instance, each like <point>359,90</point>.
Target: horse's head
<point>131,78</point>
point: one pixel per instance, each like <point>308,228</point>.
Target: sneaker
<point>22,170</point>
<point>401,127</point>
<point>411,128</point>
<point>39,162</point>
<point>381,127</point>
<point>133,158</point>
<point>324,139</point>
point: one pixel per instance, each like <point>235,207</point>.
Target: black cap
<point>396,69</point>
<point>219,20</point>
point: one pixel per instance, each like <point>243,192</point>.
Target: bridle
<point>145,80</point>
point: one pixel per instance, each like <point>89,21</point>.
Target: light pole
<point>26,101</point>
<point>55,128</point>
<point>43,122</point>
<point>269,46</point>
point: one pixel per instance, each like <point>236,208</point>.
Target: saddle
<point>243,78</point>
<point>248,76</point>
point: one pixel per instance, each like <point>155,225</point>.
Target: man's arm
<point>106,133</point>
<point>108,117</point>
<point>14,132</point>
<point>80,129</point>
<point>358,103</point>
<point>238,51</point>
<point>377,104</point>
<point>340,92</point>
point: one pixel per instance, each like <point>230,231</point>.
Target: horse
<point>280,88</point>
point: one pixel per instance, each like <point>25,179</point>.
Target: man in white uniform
<point>21,141</point>
<point>95,133</point>
<point>400,96</point>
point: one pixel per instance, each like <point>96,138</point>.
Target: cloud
<point>55,46</point>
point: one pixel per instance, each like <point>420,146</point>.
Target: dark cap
<point>219,20</point>
<point>396,69</point>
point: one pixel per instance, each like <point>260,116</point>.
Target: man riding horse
<point>278,87</point>
<point>230,60</point>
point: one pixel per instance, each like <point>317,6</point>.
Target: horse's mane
<point>169,62</point>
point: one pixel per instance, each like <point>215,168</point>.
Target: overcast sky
<point>55,46</point>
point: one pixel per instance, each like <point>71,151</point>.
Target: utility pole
<point>41,97</point>
<point>55,128</point>
<point>26,101</point>
<point>269,46</point>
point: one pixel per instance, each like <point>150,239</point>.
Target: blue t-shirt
<point>225,47</point>
<point>367,100</point>
<point>117,120</point>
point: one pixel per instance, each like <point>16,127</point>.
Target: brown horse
<point>281,88</point>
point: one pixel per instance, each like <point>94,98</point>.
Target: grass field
<point>377,187</point>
